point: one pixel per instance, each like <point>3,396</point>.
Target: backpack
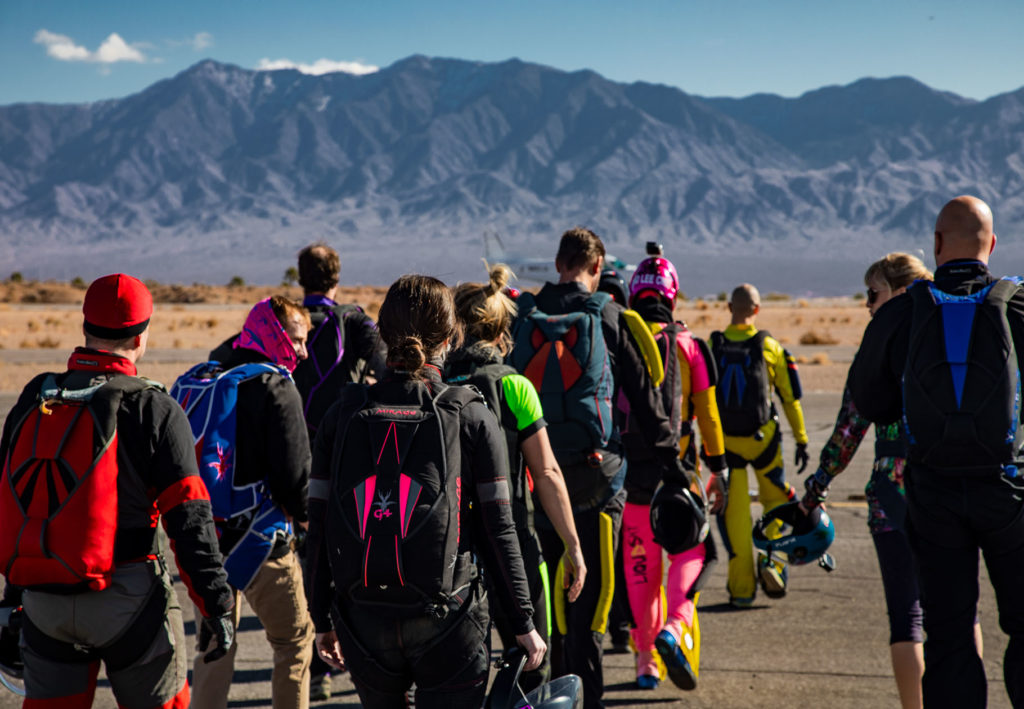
<point>961,384</point>
<point>247,519</point>
<point>58,495</point>
<point>394,504</point>
<point>566,359</point>
<point>318,377</point>
<point>744,390</point>
<point>486,378</point>
<point>671,391</point>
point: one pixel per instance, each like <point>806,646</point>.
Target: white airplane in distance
<point>538,269</point>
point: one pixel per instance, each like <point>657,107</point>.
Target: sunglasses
<point>873,295</point>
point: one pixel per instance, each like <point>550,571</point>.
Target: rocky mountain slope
<point>221,171</point>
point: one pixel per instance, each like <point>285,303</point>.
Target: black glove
<point>801,458</point>
<point>219,629</point>
<point>816,489</point>
<point>716,463</point>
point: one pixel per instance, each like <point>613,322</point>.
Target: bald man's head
<point>963,230</point>
<point>744,303</point>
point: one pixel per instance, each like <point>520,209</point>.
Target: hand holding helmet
<point>717,488</point>
<point>816,490</point>
<point>803,537</point>
<point>718,492</point>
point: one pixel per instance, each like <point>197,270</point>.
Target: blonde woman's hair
<point>897,270</point>
<point>484,309</point>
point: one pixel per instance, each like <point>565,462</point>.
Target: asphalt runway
<point>825,644</point>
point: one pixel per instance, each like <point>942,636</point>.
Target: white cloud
<point>114,49</point>
<point>61,47</point>
<point>320,66</point>
<point>201,41</point>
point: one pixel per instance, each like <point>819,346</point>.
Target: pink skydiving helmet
<point>655,273</point>
<point>264,333</point>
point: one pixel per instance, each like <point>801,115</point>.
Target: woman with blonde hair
<point>887,506</point>
<point>486,314</point>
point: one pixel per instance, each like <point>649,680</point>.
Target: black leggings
<point>899,579</point>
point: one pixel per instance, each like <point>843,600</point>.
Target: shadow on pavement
<point>727,607</point>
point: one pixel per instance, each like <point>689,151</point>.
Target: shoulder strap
<point>123,383</point>
<point>648,346</point>
<point>254,369</point>
<point>716,339</point>
<point>709,359</point>
<point>459,396</point>
<point>597,301</point>
<point>526,303</point>
<point>343,309</point>
<point>1004,289</point>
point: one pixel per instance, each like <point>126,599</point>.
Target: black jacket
<point>877,370</point>
<point>156,459</point>
<point>272,442</point>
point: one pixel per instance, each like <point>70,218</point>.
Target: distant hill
<point>223,171</point>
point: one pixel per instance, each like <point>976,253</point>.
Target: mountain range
<point>222,171</point>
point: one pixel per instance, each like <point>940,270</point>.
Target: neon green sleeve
<point>522,400</point>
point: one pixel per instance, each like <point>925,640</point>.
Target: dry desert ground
<point>41,322</point>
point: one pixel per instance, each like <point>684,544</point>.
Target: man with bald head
<point>751,364</point>
<point>944,357</point>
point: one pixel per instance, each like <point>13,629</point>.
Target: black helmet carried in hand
<point>679,517</point>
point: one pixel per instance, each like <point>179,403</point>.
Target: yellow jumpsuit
<point>762,452</point>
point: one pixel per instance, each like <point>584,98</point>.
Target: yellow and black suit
<point>763,452</point>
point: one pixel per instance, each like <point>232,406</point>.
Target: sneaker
<point>741,603</point>
<point>679,670</point>
<point>319,687</point>
<point>773,576</point>
<point>647,682</point>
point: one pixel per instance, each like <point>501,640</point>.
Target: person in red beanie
<point>96,455</point>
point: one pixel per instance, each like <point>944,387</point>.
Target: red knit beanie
<point>116,307</point>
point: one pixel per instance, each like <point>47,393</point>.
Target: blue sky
<point>79,50</point>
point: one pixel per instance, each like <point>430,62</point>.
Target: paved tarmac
<point>825,644</point>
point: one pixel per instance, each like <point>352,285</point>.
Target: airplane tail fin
<point>494,249</point>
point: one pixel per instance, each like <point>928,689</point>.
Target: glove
<point>816,489</point>
<point>219,629</point>
<point>801,458</point>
